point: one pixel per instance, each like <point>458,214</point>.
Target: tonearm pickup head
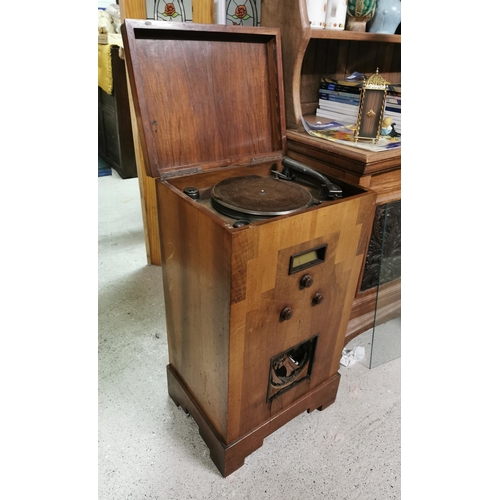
<point>328,189</point>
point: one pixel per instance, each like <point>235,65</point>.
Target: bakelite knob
<point>192,192</point>
<point>286,313</point>
<point>317,299</point>
<point>306,281</point>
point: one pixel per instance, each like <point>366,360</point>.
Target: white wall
<point>103,4</point>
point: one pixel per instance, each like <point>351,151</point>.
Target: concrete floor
<point>150,449</point>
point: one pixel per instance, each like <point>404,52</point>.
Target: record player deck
<point>252,198</point>
<point>261,255</point>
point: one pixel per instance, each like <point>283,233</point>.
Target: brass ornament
<point>373,95</point>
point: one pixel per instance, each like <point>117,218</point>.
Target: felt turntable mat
<point>265,195</point>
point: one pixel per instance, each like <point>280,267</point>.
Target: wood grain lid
<point>205,95</point>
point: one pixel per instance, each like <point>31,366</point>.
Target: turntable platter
<point>259,197</point>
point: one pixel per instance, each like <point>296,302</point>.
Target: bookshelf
<point>308,54</point>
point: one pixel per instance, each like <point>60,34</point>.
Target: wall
<point>102,4</point>
<point>183,11</point>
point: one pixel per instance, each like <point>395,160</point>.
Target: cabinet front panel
<point>300,276</point>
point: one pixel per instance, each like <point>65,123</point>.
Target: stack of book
<point>339,100</point>
<point>393,105</point>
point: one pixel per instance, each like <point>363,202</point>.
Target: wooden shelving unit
<point>309,54</point>
<point>354,35</point>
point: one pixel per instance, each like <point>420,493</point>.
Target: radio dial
<point>306,281</point>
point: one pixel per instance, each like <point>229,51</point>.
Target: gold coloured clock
<point>371,108</point>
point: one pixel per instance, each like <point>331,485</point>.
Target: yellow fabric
<point>105,74</point>
<point>104,69</point>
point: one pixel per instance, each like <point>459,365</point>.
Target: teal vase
<point>359,12</point>
<point>387,17</point>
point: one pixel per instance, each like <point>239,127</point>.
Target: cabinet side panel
<point>291,18</point>
<point>195,267</point>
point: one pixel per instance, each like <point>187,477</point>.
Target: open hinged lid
<point>205,96</point>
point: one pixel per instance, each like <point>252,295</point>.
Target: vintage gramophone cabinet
<point>258,301</point>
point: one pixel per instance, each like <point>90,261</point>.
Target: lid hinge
<point>262,159</point>
<point>180,172</point>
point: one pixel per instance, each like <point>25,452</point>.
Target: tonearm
<point>328,189</point>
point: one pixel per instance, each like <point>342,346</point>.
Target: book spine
<point>348,108</point>
<point>339,93</point>
<point>339,88</point>
<point>336,98</point>
<point>326,99</point>
<point>389,112</point>
<point>337,116</point>
<point>393,109</point>
<point>393,100</point>
<point>325,114</point>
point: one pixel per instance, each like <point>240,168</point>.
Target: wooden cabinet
<point>256,309</point>
<point>116,142</point>
<point>309,54</point>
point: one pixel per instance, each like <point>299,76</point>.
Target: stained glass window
<point>170,10</point>
<point>242,12</point>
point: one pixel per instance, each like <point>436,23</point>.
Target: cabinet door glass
<point>386,334</point>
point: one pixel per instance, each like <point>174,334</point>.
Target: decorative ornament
<point>371,108</point>
<point>386,18</point>
<point>359,12</point>
<point>336,12</point>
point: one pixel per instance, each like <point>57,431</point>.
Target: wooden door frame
<point>203,12</point>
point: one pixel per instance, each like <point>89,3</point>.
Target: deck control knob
<point>306,281</point>
<point>317,299</point>
<point>286,313</point>
<point>192,192</point>
<point>241,223</point>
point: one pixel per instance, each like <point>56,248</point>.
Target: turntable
<point>261,255</point>
<point>253,197</point>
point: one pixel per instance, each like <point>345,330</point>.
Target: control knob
<point>317,299</point>
<point>286,313</point>
<point>306,281</point>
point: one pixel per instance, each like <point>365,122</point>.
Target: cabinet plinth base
<point>230,457</point>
